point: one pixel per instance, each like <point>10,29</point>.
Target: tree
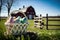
<point>2,2</point>
<point>0,8</point>
<point>9,5</point>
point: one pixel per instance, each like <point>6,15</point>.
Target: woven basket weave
<point>18,28</point>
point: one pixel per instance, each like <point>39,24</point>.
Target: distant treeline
<point>52,17</point>
<point>3,17</point>
<point>43,17</point>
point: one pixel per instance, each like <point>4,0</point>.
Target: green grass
<point>43,34</point>
<point>2,26</point>
<point>46,34</point>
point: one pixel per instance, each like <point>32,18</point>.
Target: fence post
<point>47,21</point>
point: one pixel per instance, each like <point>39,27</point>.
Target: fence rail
<point>51,25</point>
<point>47,19</point>
<point>53,20</point>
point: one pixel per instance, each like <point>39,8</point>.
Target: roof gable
<point>23,10</point>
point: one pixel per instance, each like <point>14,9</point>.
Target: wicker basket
<point>18,28</point>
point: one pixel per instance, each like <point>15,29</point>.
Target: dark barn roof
<point>26,9</point>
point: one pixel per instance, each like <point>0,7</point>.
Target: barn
<point>29,11</point>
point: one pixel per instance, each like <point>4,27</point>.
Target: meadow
<point>42,34</point>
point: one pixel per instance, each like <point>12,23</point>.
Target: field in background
<point>42,33</point>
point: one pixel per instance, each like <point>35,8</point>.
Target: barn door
<point>30,16</point>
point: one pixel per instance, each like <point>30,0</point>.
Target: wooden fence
<point>39,20</point>
<point>47,19</point>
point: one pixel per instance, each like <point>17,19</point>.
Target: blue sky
<point>52,7</point>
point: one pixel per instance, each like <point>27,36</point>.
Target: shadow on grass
<point>30,36</point>
<point>26,36</point>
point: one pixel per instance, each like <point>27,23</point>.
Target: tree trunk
<point>0,13</point>
<point>8,11</point>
